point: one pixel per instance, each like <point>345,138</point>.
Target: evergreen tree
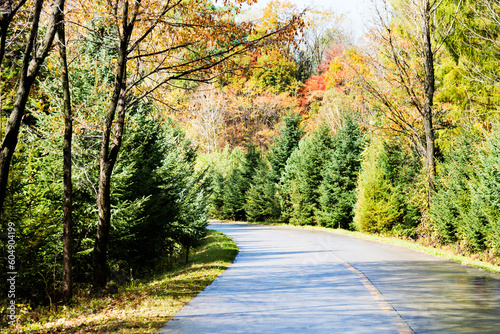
<point>303,176</point>
<point>338,187</point>
<point>385,190</point>
<point>250,163</point>
<point>160,201</point>
<point>216,199</point>
<point>234,196</point>
<point>482,226</point>
<point>285,144</point>
<point>238,184</point>
<point>453,200</point>
<point>261,201</point>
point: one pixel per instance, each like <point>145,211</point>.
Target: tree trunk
<point>67,283</point>
<point>429,89</point>
<point>32,61</point>
<point>188,247</point>
<point>108,157</point>
<point>103,226</point>
<point>107,162</point>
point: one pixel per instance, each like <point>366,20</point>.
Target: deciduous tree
<point>36,49</point>
<point>409,37</point>
<point>157,44</point>
<point>67,286</point>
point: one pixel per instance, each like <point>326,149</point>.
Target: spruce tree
<point>250,163</point>
<point>386,189</point>
<point>453,199</point>
<point>261,201</point>
<point>168,193</point>
<point>238,183</point>
<point>303,176</point>
<point>338,187</point>
<point>263,196</point>
<point>234,196</point>
<point>216,200</point>
<point>285,144</point>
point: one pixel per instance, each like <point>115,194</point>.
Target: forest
<point>127,125</point>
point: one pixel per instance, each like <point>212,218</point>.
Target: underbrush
<point>143,306</point>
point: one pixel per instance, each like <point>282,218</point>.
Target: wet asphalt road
<point>288,280</point>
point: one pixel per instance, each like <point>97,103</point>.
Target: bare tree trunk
<point>107,162</point>
<point>32,61</point>
<point>67,283</point>
<point>103,225</point>
<point>429,88</point>
<point>109,155</point>
<point>115,115</point>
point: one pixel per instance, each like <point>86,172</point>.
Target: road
<point>289,280</point>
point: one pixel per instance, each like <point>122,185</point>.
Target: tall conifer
<point>338,187</point>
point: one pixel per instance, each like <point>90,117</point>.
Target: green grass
<point>142,307</point>
<point>445,252</point>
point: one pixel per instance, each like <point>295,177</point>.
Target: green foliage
<point>303,177</point>
<point>487,195</point>
<point>386,186</point>
<point>338,188</point>
<point>161,200</point>
<point>220,165</point>
<point>261,201</point>
<point>231,181</point>
<point>465,209</point>
<point>246,187</point>
<point>283,145</point>
<point>275,73</point>
<point>234,196</point>
<point>159,203</point>
<point>216,199</point>
<point>453,200</point>
<point>33,205</point>
<point>238,184</point>
<point>470,76</point>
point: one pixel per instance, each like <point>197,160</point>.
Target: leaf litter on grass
<point>142,308</point>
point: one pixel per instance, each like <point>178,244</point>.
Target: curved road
<point>289,280</point>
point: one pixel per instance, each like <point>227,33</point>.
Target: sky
<point>357,12</point>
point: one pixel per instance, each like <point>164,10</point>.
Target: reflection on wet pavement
<point>432,295</point>
<point>288,280</point>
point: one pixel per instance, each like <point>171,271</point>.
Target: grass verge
<point>145,305</point>
<point>444,252</point>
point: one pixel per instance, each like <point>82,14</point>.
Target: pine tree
<point>234,196</point>
<point>285,144</point>
<point>303,176</point>
<point>386,188</point>
<point>338,187</point>
<point>261,201</point>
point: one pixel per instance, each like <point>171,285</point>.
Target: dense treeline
<point>303,179</point>
<point>395,135</point>
<point>103,182</point>
<point>153,182</point>
<point>398,136</point>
